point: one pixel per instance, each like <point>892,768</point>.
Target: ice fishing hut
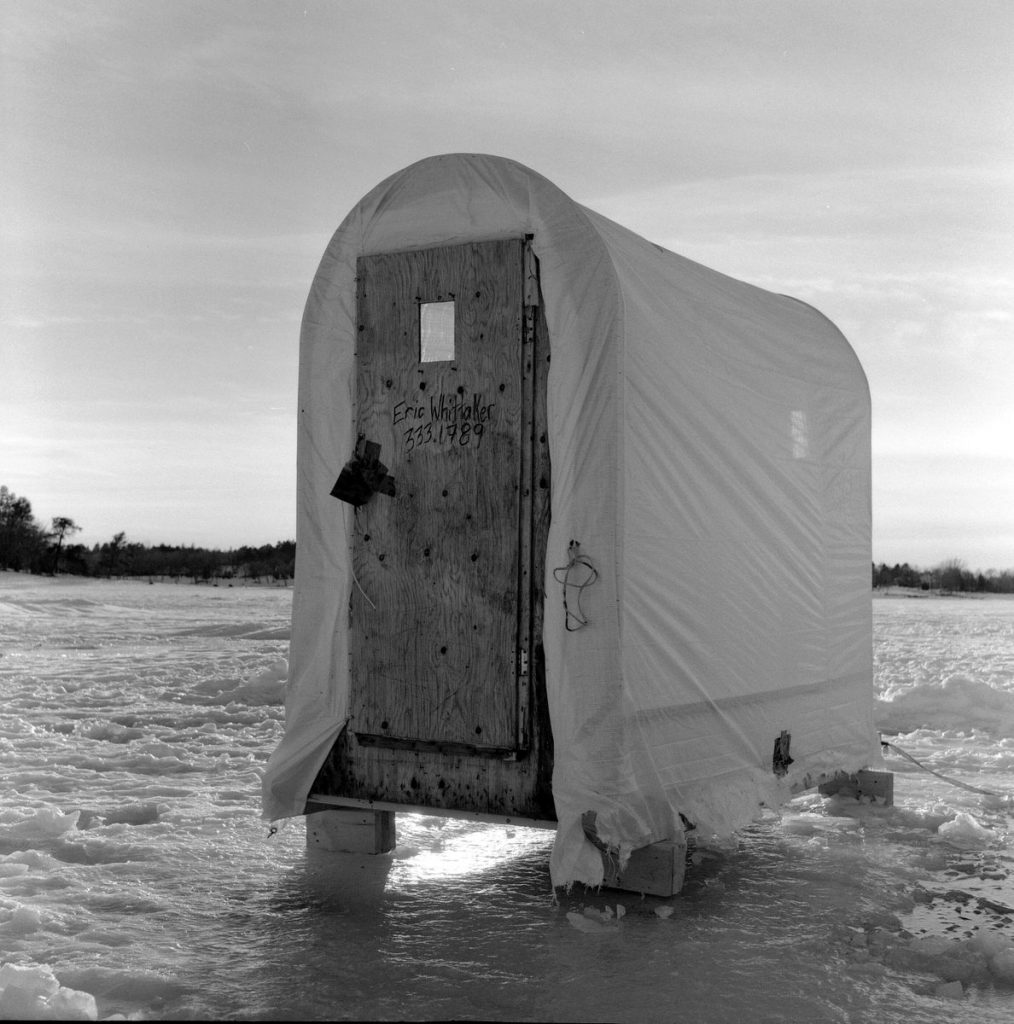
<point>583,527</point>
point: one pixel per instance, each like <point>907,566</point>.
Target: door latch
<point>363,476</point>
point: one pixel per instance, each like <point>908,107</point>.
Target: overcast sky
<point>171,173</point>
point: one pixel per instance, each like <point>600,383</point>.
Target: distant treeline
<point>119,557</point>
<point>952,576</point>
<point>28,546</point>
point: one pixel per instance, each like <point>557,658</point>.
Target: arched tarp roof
<point>710,450</point>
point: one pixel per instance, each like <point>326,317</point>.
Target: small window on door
<point>436,332</point>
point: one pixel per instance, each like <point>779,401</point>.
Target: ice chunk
<point>583,923</point>
<point>1002,964</point>
<point>964,831</point>
<point>134,814</point>
<point>949,990</point>
<point>19,1004</point>
<point>33,993</point>
<point>23,921</point>
<point>35,980</point>
<point>71,1004</point>
<point>933,946</point>
<point>989,944</point>
<point>47,822</point>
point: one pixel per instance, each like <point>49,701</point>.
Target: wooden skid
<point>877,787</point>
<point>655,870</point>
<point>350,830</point>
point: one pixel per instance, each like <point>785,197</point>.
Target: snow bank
<point>957,702</point>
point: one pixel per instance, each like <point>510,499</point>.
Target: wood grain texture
<point>435,657</point>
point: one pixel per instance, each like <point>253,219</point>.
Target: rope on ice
<point>926,768</point>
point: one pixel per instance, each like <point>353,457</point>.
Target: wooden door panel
<point>434,615</point>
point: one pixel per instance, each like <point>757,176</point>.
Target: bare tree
<point>62,528</point>
<point>114,552</point>
<point>952,573</point>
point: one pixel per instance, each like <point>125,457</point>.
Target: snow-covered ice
<point>137,879</point>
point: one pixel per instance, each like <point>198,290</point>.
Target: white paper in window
<point>436,332</point>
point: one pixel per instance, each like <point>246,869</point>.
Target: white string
<point>925,768</point>
<point>361,591</point>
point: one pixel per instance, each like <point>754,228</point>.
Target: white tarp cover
<point>710,450</point>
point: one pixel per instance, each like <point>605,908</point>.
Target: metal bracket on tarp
<point>363,476</point>
<point>780,760</point>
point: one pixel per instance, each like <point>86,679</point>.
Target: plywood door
<point>436,649</point>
